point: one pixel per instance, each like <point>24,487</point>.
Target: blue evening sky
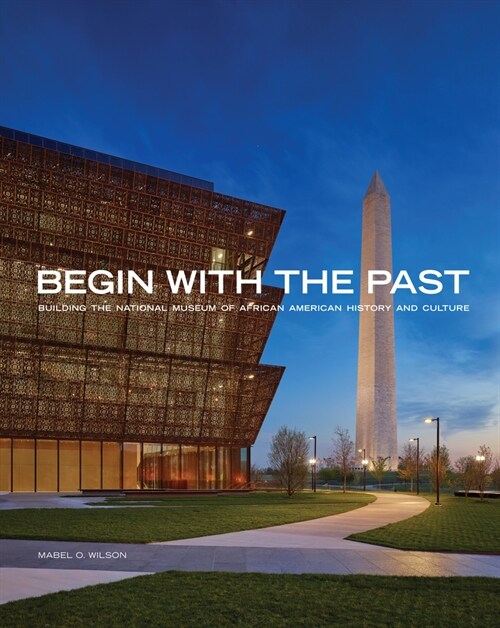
<point>295,104</point>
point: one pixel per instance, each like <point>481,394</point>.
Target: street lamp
<point>314,462</point>
<point>418,462</point>
<point>364,462</point>
<point>480,459</point>
<point>436,420</point>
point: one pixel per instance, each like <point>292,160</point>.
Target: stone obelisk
<point>376,424</point>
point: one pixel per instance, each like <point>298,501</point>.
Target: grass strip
<point>460,524</point>
<point>232,599</point>
<point>179,518</point>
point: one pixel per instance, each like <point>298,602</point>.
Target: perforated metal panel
<point>176,376</point>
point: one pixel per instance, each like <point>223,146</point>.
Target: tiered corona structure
<point>127,399</point>
<point>376,424</point>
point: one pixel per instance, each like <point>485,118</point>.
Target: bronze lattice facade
<point>138,396</point>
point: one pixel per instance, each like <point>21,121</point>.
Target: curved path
<point>316,546</point>
<point>325,533</point>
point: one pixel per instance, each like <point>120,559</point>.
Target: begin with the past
<point>429,281</point>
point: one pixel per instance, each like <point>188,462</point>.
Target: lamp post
<point>364,462</point>
<point>313,462</point>
<point>418,462</point>
<point>436,420</point>
<point>480,459</point>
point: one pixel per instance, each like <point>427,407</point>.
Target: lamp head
<point>312,461</point>
<point>364,462</point>
<point>429,420</point>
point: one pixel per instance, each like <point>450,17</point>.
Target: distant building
<point>376,422</point>
<point>126,399</point>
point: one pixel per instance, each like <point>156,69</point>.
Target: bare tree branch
<point>343,453</point>
<point>288,458</point>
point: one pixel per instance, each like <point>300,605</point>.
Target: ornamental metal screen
<point>130,373</point>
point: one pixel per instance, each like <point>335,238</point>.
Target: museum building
<point>128,391</point>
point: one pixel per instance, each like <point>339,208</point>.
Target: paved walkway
<point>16,501</point>
<point>31,568</point>
<point>324,533</point>
<point>18,583</point>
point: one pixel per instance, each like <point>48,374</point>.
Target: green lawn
<point>459,525</point>
<point>229,599</point>
<point>174,518</point>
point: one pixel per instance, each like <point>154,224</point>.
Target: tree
<point>482,468</point>
<point>495,474</point>
<point>256,474</point>
<point>334,474</point>
<point>444,465</point>
<point>379,468</point>
<point>343,453</point>
<point>464,467</point>
<point>288,458</point>
<point>329,473</point>
<point>407,467</point>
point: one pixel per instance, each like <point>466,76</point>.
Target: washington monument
<point>376,425</point>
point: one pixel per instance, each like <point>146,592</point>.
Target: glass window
<point>131,465</point>
<point>207,468</point>
<point>24,465</point>
<point>151,466</point>
<point>224,467</point>
<point>46,465</point>
<point>69,465</point>
<point>91,464</point>
<point>170,466</point>
<point>189,466</point>
<point>239,467</point>
<point>243,462</point>
<point>220,259</point>
<point>5,461</point>
<point>111,462</point>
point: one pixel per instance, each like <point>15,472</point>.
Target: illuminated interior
<point>28,465</point>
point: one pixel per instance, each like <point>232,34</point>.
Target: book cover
<point>221,218</point>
